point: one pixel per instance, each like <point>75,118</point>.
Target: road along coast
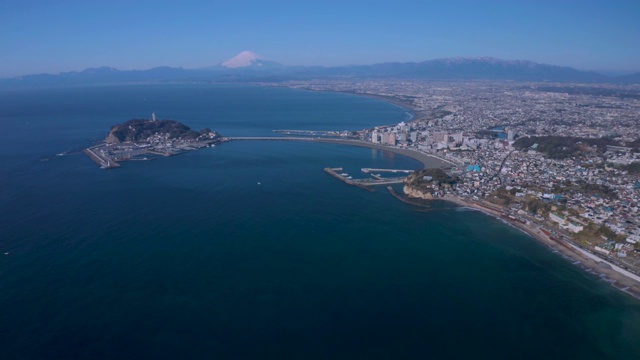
<point>620,278</point>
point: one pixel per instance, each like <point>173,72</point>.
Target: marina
<point>109,156</point>
<point>363,183</point>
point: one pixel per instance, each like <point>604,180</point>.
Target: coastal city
<point>320,180</point>
<point>562,157</point>
<point>561,162</point>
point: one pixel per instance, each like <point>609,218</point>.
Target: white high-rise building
<point>374,136</point>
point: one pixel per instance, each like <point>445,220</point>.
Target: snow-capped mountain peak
<point>244,59</point>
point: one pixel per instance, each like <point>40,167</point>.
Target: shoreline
<point>426,159</point>
<point>411,109</point>
<point>622,279</point>
<point>627,282</point>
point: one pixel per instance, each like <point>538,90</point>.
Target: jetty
<point>362,183</point>
<point>368,170</point>
<point>99,158</point>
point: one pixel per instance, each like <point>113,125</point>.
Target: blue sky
<point>65,35</point>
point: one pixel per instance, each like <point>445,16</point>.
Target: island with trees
<point>143,139</point>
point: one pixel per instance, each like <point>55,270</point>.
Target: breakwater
<point>334,172</point>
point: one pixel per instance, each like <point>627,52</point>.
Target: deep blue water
<point>188,257</point>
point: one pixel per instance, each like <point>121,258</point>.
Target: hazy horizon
<point>606,72</point>
<point>44,37</point>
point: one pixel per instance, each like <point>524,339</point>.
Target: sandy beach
<point>428,161</point>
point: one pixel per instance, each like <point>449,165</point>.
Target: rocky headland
<point>143,129</point>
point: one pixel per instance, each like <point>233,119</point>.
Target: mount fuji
<point>248,66</point>
<point>248,60</point>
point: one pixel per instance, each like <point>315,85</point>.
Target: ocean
<point>248,250</point>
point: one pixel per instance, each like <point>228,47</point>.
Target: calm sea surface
<point>189,257</point>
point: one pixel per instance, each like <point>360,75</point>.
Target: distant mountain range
<point>248,66</point>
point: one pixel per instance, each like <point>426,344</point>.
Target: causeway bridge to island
<point>280,138</point>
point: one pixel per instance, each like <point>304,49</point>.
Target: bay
<point>249,251</point>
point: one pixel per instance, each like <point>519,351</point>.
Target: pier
<point>98,158</point>
<point>280,138</point>
<point>363,183</point>
<point>368,170</point>
<point>379,181</point>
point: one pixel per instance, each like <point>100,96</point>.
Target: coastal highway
<point>613,266</point>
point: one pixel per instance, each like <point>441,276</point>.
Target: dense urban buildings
<point>565,156</point>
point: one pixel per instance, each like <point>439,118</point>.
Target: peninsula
<point>141,139</point>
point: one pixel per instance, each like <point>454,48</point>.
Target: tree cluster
<point>141,129</point>
<point>562,147</point>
